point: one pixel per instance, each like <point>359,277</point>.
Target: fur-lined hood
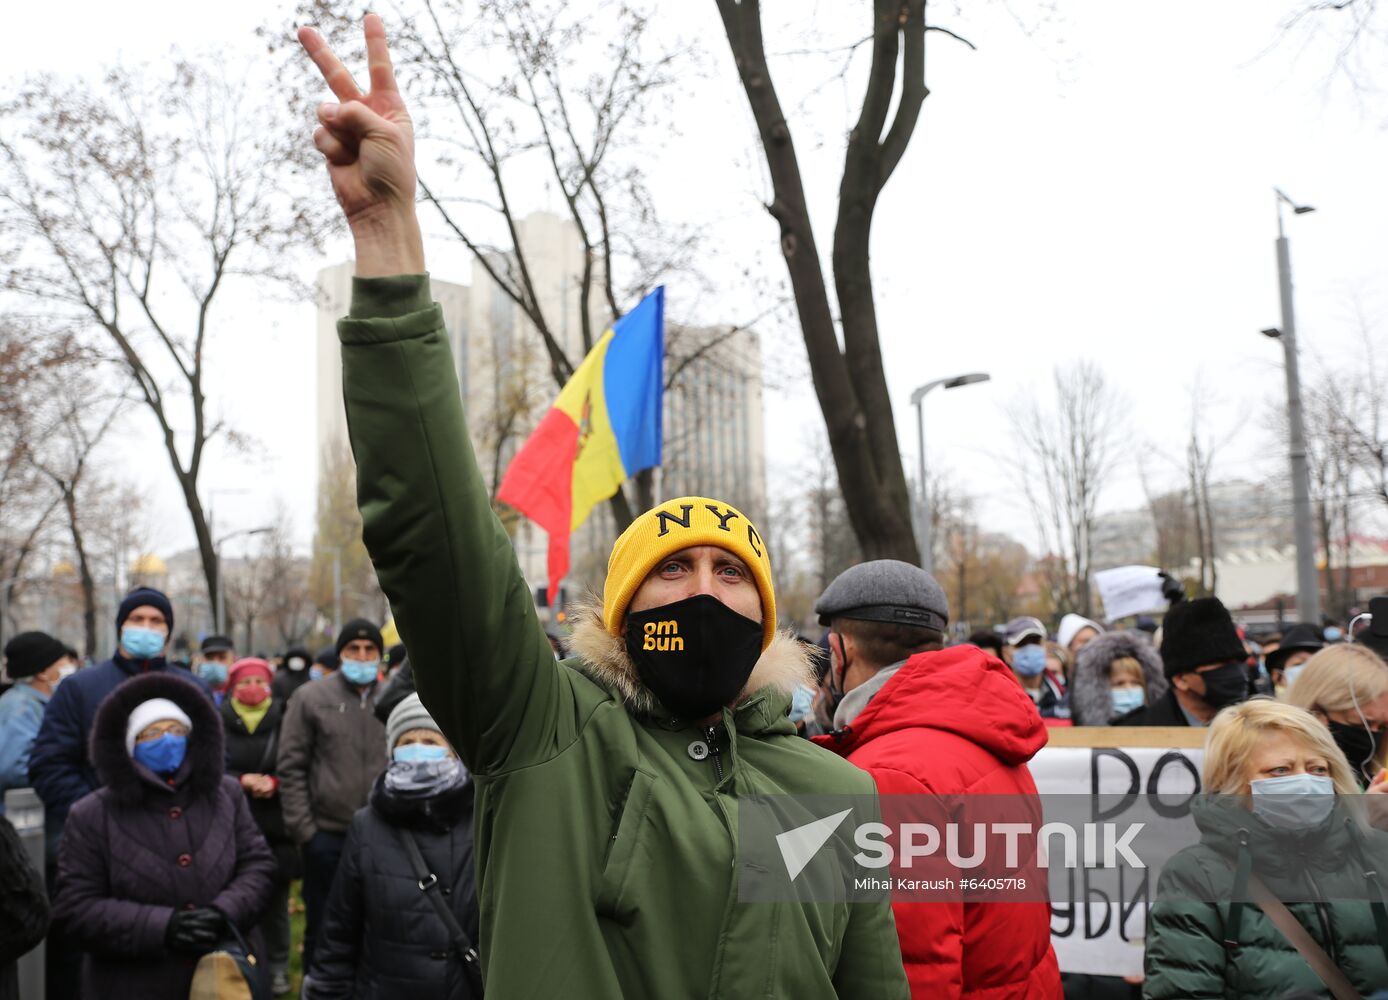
<point>206,745</point>
<point>602,657</point>
<point>1089,697</point>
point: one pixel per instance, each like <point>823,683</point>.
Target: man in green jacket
<point>607,785</point>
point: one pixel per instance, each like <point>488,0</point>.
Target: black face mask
<point>1226,685</point>
<point>695,655</point>
<point>1360,746</point>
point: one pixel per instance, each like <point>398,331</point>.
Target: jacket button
<point>184,860</point>
<point>698,750</point>
<point>438,955</point>
<point>446,891</point>
<point>175,812</point>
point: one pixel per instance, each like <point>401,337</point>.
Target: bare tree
<point>849,379</point>
<point>1069,453</point>
<point>78,415</point>
<point>127,207</point>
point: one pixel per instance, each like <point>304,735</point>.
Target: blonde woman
<point>1346,688</point>
<point>1278,813</point>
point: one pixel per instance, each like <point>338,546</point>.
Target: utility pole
<point>923,503</point>
<point>1308,597</point>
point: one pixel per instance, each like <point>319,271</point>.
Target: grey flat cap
<point>885,590</point>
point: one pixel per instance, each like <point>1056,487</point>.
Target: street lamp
<point>220,611</point>
<point>1308,597</point>
<point>923,515</point>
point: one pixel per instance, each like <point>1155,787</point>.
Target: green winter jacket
<point>606,839</point>
<point>1327,879</point>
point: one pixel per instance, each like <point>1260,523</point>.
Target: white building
<point>713,416</point>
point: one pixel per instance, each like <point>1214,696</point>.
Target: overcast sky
<point>1094,185</point>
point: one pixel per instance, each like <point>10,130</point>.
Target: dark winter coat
<point>1165,711</point>
<point>950,723</point>
<point>23,908</point>
<point>1327,878</point>
<point>382,938</point>
<point>287,681</point>
<point>255,753</point>
<point>400,686</point>
<point>332,747</point>
<point>1089,685</point>
<point>140,847</point>
<point>59,767</point>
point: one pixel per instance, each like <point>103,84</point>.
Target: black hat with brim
<point>1297,639</point>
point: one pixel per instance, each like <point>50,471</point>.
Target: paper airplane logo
<point>799,846</point>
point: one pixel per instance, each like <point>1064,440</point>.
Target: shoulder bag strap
<point>267,759</point>
<point>428,884</point>
<point>1321,964</point>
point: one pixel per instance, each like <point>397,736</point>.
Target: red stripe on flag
<point>539,484</point>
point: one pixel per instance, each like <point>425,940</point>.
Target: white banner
<point>1130,590</point>
<point>1101,931</point>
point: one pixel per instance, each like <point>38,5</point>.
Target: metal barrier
<point>24,810</point>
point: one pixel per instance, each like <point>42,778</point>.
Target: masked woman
<point>402,917</point>
<point>1116,674</point>
<point>1346,688</point>
<point>157,861</point>
<point>251,717</point>
<point>1282,844</point>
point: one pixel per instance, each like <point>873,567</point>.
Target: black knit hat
<point>144,597</point>
<point>1197,633</point>
<point>1375,634</point>
<point>327,657</point>
<point>359,628</point>
<point>31,653</point>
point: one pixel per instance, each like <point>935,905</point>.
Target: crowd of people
<point>557,815</point>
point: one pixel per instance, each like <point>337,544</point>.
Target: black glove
<point>194,932</point>
<point>1171,588</point>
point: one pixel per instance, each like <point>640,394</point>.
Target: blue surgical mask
<point>801,702</point>
<point>1029,660</point>
<point>1289,675</point>
<point>142,643</point>
<point>1333,634</point>
<point>163,755</point>
<point>213,672</point>
<point>360,672</point>
<point>315,672</point>
<point>413,753</point>
<point>1293,801</point>
<point>1127,699</point>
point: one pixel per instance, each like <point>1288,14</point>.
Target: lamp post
<point>1308,595</point>
<point>220,611</point>
<point>923,512</point>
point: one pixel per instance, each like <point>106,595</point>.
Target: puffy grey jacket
<point>332,747</point>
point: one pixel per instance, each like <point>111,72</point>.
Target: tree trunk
<point>206,547</point>
<point>84,574</point>
<point>849,382</point>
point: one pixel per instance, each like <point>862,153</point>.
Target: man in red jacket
<point>927,720</point>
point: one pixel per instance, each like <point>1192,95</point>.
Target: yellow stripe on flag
<point>598,471</point>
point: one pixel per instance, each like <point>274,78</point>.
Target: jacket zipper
<point>715,752</point>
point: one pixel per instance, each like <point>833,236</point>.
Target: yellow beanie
<point>680,524</point>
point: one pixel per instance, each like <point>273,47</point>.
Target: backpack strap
<point>1321,964</point>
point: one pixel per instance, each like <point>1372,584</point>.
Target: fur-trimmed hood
<point>204,764</point>
<point>602,657</point>
<point>1089,697</point>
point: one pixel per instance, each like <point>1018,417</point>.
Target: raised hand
<point>368,142</point>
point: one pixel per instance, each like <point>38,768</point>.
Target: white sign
<point>1093,928</point>
<point>1130,590</point>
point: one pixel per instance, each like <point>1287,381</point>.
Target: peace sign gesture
<point>368,141</point>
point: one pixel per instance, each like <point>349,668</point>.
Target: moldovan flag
<point>604,428</point>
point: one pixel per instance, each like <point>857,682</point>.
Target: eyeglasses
<point>168,727</point>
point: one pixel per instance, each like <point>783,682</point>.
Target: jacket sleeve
<point>334,972</point>
<point>870,960</point>
<point>291,768</point>
<point>98,922</point>
<point>20,718</point>
<point>57,763</point>
<point>482,663</point>
<point>23,901</point>
<point>243,899</point>
<point>1185,938</point>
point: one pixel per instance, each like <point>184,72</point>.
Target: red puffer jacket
<point>948,723</point>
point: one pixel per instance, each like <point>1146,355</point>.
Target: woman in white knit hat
<point>402,917</point>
